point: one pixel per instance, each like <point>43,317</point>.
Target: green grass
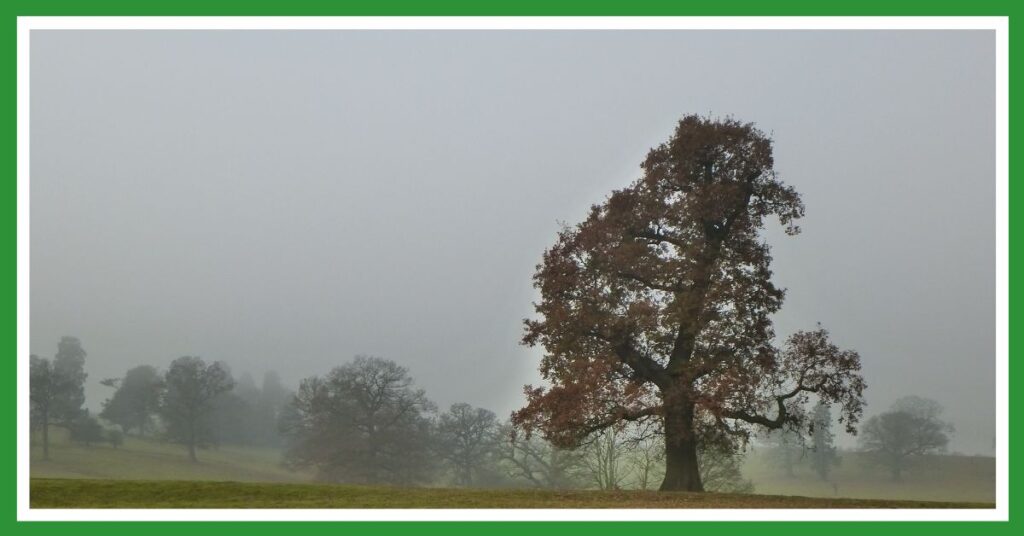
<point>82,493</point>
<point>144,459</point>
<point>931,478</point>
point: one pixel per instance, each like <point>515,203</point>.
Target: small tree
<point>191,388</point>
<point>86,430</point>
<point>647,461</point>
<point>116,438</point>
<point>43,386</point>
<point>910,429</point>
<point>823,451</point>
<point>136,399</point>
<point>467,439</point>
<point>364,422</point>
<point>604,460</point>
<point>57,389</point>
<point>69,367</point>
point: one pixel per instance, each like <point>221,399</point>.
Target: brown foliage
<point>663,296</point>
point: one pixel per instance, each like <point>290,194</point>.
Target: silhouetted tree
<point>911,428</point>
<point>467,440</point>
<point>57,389</point>
<point>658,307</point>
<point>69,365</point>
<point>823,452</point>
<point>43,386</point>
<point>191,386</point>
<point>363,422</point>
<point>136,399</point>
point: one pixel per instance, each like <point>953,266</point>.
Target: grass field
<point>151,474</point>
<point>82,493</point>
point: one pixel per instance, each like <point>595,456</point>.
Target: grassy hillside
<point>81,493</point>
<point>931,478</point>
<point>143,459</point>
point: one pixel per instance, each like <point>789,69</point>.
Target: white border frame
<point>997,24</point>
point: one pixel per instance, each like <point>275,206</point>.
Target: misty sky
<point>285,200</point>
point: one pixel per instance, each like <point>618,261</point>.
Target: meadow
<point>144,473</point>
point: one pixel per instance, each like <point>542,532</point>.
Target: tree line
<point>895,440</point>
<point>193,403</point>
<point>366,422</point>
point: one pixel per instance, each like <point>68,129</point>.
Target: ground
<point>82,493</point>
<point>151,474</point>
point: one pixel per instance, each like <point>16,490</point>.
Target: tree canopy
<point>658,307</point>
<point>911,428</point>
<point>191,387</point>
<point>363,422</point>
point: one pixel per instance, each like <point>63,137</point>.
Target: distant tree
<point>823,452</point>
<point>274,396</point>
<point>43,386</point>
<point>69,365</point>
<point>603,458</point>
<point>116,438</point>
<point>235,418</point>
<point>647,461</point>
<point>787,449</point>
<point>191,386</point>
<point>912,428</point>
<point>86,430</point>
<point>57,389</point>
<point>658,307</point>
<point>136,399</point>
<point>539,462</point>
<point>248,414</point>
<point>273,393</point>
<point>245,388</point>
<point>467,440</point>
<point>364,422</point>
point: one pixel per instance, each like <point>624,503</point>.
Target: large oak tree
<point>658,307</point>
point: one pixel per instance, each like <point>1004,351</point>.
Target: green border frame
<point>11,9</point>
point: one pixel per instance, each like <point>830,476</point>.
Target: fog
<point>286,200</point>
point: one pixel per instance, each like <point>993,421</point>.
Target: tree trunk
<point>192,442</point>
<point>682,473</point>
<point>46,437</point>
